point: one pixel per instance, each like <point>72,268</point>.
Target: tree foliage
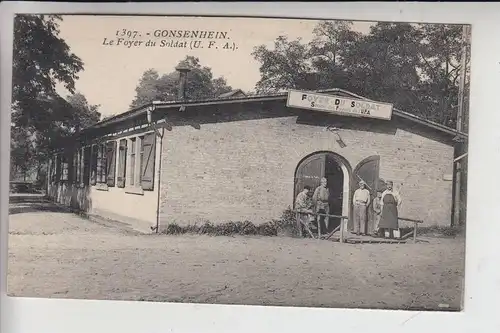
<point>40,116</point>
<point>416,67</point>
<point>201,84</point>
<point>84,114</point>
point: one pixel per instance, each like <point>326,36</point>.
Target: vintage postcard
<point>238,160</point>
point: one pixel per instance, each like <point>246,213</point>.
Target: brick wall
<point>238,162</point>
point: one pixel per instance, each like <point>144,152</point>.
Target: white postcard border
<point>482,270</point>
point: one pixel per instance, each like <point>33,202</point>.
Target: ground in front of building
<point>60,255</point>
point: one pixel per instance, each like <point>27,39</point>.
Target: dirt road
<point>61,255</point>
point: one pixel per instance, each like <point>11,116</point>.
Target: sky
<point>111,72</point>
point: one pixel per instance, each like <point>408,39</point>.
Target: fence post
<point>299,225</point>
<point>318,219</point>
<point>415,232</point>
<point>341,230</point>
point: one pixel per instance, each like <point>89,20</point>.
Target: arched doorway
<point>368,171</point>
<point>337,171</point>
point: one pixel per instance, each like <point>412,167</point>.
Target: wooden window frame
<point>93,164</point>
<point>86,165</point>
<point>64,167</point>
<point>74,171</point>
<point>111,159</point>
<point>101,170</point>
<point>135,160</point>
<point>122,165</point>
<point>132,165</point>
<point>80,166</point>
<point>53,169</point>
<point>141,159</point>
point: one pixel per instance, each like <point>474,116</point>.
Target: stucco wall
<point>138,209</point>
<point>240,165</point>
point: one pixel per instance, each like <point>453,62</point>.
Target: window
<point>86,165</point>
<point>141,161</point>
<point>80,166</point>
<point>65,168</point>
<point>101,164</point>
<point>141,157</point>
<point>74,171</point>
<point>110,163</point>
<point>77,169</point>
<point>122,164</point>
<point>53,169</point>
<point>148,153</point>
<point>58,167</point>
<point>133,147</point>
<point>93,164</point>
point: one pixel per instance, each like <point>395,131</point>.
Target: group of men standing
<point>384,208</point>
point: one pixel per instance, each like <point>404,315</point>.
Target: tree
<point>315,65</point>
<point>84,114</point>
<point>441,67</point>
<point>40,59</point>
<point>330,51</point>
<point>383,65</point>
<point>201,84</point>
<point>22,150</point>
<point>413,66</point>
<point>284,67</point>
<point>40,117</point>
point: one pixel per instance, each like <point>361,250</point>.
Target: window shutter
<point>93,163</point>
<point>58,167</point>
<point>122,163</point>
<point>148,162</point>
<point>86,165</point>
<point>81,164</point>
<point>111,163</point>
<point>54,169</point>
<point>72,159</point>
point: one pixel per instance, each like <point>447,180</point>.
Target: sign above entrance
<point>338,105</point>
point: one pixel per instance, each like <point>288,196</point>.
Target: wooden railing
<point>414,231</point>
<point>301,224</point>
<point>341,226</point>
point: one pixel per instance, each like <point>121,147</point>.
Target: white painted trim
<point>347,189</point>
<point>460,157</point>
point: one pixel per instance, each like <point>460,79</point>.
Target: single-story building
<point>246,158</point>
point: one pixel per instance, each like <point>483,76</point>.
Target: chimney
<point>183,71</point>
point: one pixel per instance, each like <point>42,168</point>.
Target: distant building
<point>233,94</point>
<point>246,159</point>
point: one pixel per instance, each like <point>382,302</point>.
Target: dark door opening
<point>368,171</point>
<point>335,179</point>
<point>310,171</point>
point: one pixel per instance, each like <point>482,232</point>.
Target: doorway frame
<point>347,171</point>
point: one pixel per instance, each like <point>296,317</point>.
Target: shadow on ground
<point>34,208</point>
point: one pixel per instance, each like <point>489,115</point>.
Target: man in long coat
<point>390,202</point>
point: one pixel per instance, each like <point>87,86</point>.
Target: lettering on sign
<point>311,177</point>
<point>339,105</point>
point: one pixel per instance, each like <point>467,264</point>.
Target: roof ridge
<point>268,96</point>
